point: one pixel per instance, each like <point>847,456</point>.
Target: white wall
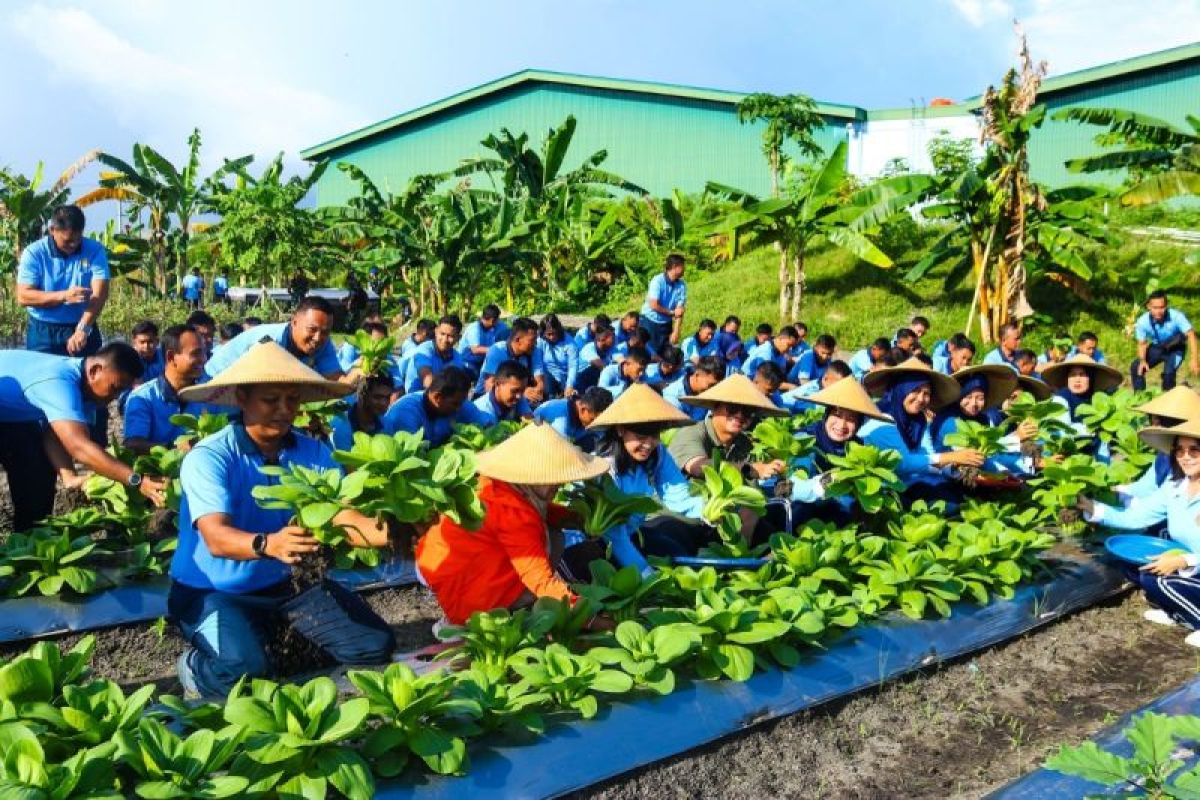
<point>872,144</point>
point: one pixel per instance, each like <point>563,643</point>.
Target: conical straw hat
<point>640,405</point>
<point>850,395</point>
<point>736,390</point>
<point>265,362</point>
<point>945,389</point>
<point>1162,439</point>
<point>1179,403</point>
<point>1001,381</point>
<point>1105,378</point>
<point>538,454</point>
<point>1038,388</point>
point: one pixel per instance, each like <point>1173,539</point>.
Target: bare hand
<point>77,342</point>
<point>154,490</point>
<point>569,392</point>
<point>964,458</point>
<point>768,469</point>
<point>1166,564</point>
<point>73,480</point>
<point>1027,430</point>
<point>1086,505</point>
<point>290,544</point>
<point>76,295</point>
<point>1143,367</point>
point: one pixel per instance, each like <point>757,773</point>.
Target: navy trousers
<point>1155,355</point>
<point>1174,594</point>
<point>31,476</point>
<point>230,632</point>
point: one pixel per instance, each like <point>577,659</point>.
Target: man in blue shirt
<point>666,370</point>
<point>231,575</point>
<point>953,354</point>
<point>865,360</point>
<point>150,407</point>
<point>365,414</point>
<point>221,288</point>
<point>666,301</point>
<point>707,373</point>
<point>729,341</point>
<point>521,346</point>
<point>193,288</point>
<point>774,350</point>
<point>1088,344</point>
<point>1010,343</point>
<point>63,281</point>
<point>812,364</point>
<point>571,416</point>
<point>438,408</point>
<point>618,377</point>
<point>701,343</point>
<point>434,355</point>
<point>205,325</point>
<point>587,333</point>
<point>480,335</point>
<point>594,357</point>
<point>505,400</point>
<point>306,336</point>
<point>1163,336</point>
<point>144,338</point>
<point>46,405</point>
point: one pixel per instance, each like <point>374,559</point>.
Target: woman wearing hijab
<point>509,561</point>
<point>1076,381</point>
<point>907,392</point>
<point>1170,581</point>
<point>1167,410</point>
<point>982,390</point>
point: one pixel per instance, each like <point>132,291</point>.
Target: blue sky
<point>260,77</point>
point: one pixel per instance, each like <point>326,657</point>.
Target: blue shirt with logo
<point>324,361</point>
<point>669,294</point>
<point>411,413</point>
<point>46,268</point>
<point>426,356</point>
<point>475,335</point>
<point>38,387</point>
<point>1174,323</point>
<point>149,409</point>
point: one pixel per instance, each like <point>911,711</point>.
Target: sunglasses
<point>1190,452</point>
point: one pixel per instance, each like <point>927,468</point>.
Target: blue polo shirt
<point>807,368</point>
<point>589,353</point>
<point>475,335</point>
<point>760,353</point>
<point>410,413</point>
<point>692,349</point>
<point>488,405</point>
<point>1173,324</point>
<point>612,379</point>
<point>154,367</point>
<point>794,400</point>
<point>997,357</point>
<point>583,336</point>
<point>193,286</point>
<point>38,387</point>
<point>216,478</point>
<point>46,268</point>
<point>1097,356</point>
<point>861,363</point>
<point>426,356</point>
<point>679,389</point>
<point>325,361</point>
<point>654,375</point>
<point>220,286</point>
<point>621,350</point>
<point>560,360</point>
<point>558,414</point>
<point>345,425</point>
<point>669,294</point>
<point>499,353</point>
<point>149,409</point>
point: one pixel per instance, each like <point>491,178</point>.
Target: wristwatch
<point>134,480</point>
<point>86,330</point>
<point>259,545</point>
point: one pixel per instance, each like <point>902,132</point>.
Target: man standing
<point>150,407</point>
<point>193,288</point>
<point>666,299</point>
<point>63,281</point>
<point>47,403</point>
<point>480,335</point>
<point>221,288</point>
<point>306,336</point>
<point>1163,336</point>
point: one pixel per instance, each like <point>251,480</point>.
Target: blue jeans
<point>51,337</point>
<point>1155,355</point>
<point>660,333</point>
<point>231,631</point>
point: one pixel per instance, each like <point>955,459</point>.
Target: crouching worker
<point>1170,581</point>
<point>231,574</point>
<point>509,561</point>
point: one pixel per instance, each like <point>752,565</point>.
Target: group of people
<point>601,401</point>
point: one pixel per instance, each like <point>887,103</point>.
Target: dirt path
<point>958,731</point>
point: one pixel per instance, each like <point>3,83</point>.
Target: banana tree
<point>817,209</point>
<point>1162,160</point>
<point>25,207</point>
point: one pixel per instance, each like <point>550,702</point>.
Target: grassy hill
<point>857,302</point>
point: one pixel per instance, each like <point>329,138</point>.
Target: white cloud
<point>981,12</point>
<point>160,94</point>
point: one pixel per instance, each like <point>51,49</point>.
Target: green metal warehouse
<point>667,137</point>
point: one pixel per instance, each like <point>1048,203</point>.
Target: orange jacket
<point>471,571</point>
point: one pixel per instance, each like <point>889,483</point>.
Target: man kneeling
<point>231,588</point>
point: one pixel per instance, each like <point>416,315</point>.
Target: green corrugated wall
<point>660,143</point>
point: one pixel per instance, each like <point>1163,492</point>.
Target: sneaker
<point>1192,639</point>
<point>1158,617</point>
<point>187,679</point>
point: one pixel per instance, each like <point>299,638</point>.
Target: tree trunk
<point>784,283</point>
<point>798,279</point>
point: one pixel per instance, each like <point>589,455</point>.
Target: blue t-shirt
<point>46,268</point>
<point>861,363</point>
<point>39,387</point>
<point>1173,324</point>
<point>475,335</point>
<point>488,405</point>
<point>760,353</point>
<point>324,361</point>
<point>692,349</point>
<point>220,286</point>
<point>808,368</point>
<point>426,356</point>
<point>561,361</point>
<point>669,294</point>
<point>410,413</point>
<point>499,353</point>
<point>674,393</point>
<point>216,478</point>
<point>193,286</point>
<point>558,414</point>
<point>149,409</point>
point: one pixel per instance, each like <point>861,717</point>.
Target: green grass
<point>857,302</point>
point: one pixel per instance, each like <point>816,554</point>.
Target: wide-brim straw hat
<point>1179,403</point>
<point>1104,377</point>
<point>945,389</point>
<point>1001,381</point>
<point>736,390</point>
<point>848,394</point>
<point>266,363</point>
<point>539,455</point>
<point>1038,388</point>
<point>1162,438</point>
<point>640,405</point>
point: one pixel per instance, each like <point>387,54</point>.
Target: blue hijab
<point>1073,400</point>
<point>911,427</point>
<point>973,383</point>
<point>826,446</point>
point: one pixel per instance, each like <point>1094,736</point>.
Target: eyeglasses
<point>738,411</point>
<point>1190,452</point>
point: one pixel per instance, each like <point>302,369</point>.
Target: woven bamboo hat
<point>1001,381</point>
<point>537,454</point>
<point>850,395</point>
<point>1162,438</point>
<point>640,405</point>
<point>1104,377</point>
<point>1038,388</point>
<point>265,362</point>
<point>1179,403</point>
<point>736,390</point>
<point>945,389</point>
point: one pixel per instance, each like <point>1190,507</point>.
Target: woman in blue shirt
<point>1167,410</point>
<point>984,388</point>
<point>1076,381</point>
<point>1170,581</point>
<point>560,357</point>
<point>632,429</point>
